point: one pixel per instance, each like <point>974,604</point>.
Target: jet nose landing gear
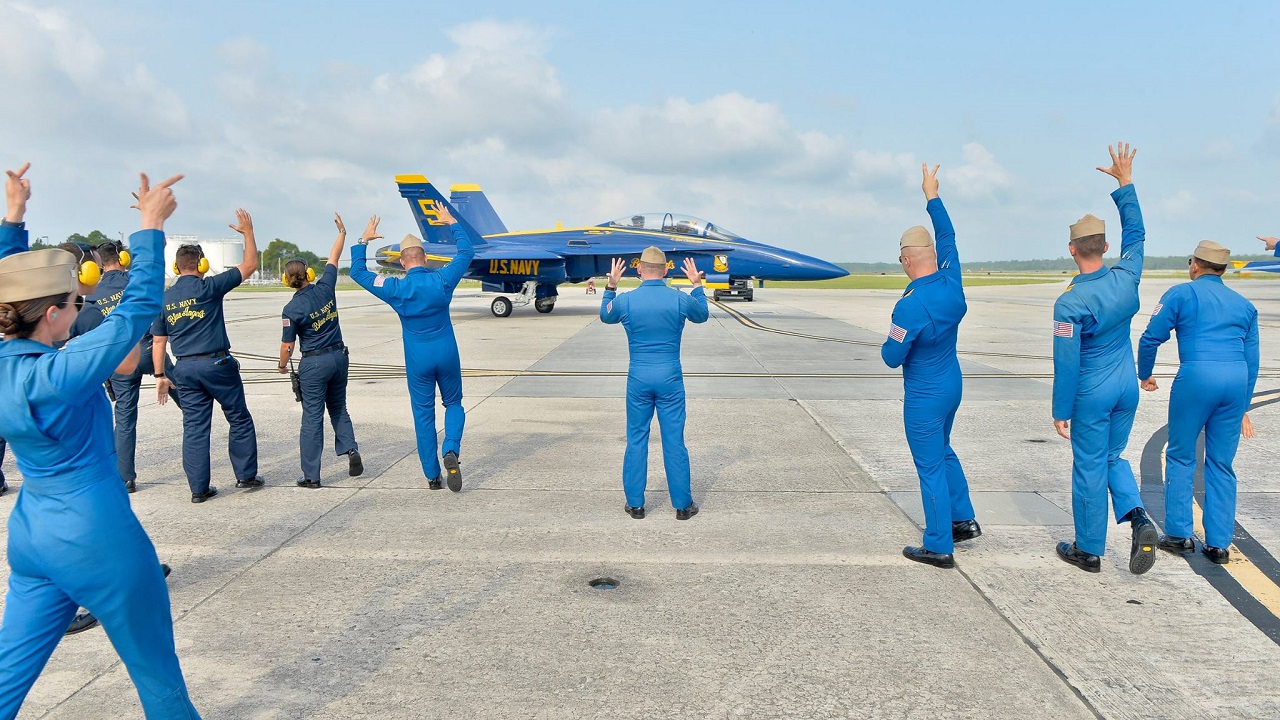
<point>543,296</point>
<point>501,307</point>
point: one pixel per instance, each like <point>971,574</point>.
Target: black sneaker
<point>688,512</point>
<point>356,465</point>
<point>164,568</point>
<point>453,472</point>
<point>304,482</point>
<point>435,484</point>
<point>1142,553</point>
<point>965,530</point>
<point>635,512</point>
<point>254,482</point>
<point>4,486</point>
<point>201,497</point>
<point>1176,544</point>
<point>1083,560</point>
<point>131,485</point>
<point>928,557</point>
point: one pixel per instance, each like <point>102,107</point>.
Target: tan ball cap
<point>915,237</point>
<point>1210,251</point>
<point>410,241</point>
<point>653,256</point>
<point>36,274</point>
<point>1088,225</point>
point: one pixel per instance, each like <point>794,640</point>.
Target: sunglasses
<point>79,302</point>
<point>1189,260</point>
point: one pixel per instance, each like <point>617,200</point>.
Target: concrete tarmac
<point>787,597</point>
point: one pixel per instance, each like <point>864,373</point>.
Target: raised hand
<point>930,183</point>
<point>615,273</point>
<point>1121,163</point>
<point>155,203</point>
<point>1150,384</point>
<point>691,271</point>
<point>1246,428</point>
<point>17,192</point>
<point>371,230</point>
<point>243,223</point>
<point>337,220</point>
<point>1270,242</point>
<point>442,211</point>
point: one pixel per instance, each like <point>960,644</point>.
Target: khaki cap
<point>653,256</point>
<point>1210,251</point>
<point>410,241</point>
<point>36,274</point>
<point>1088,225</point>
<point>915,237</point>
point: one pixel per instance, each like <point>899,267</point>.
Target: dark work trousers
<point>324,385</point>
<point>201,381</point>
<point>127,389</point>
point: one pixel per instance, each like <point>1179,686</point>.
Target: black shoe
<point>164,568</point>
<point>453,472</point>
<point>4,486</point>
<point>928,557</point>
<point>1083,560</point>
<point>131,485</point>
<point>356,465</point>
<point>688,512</point>
<point>1221,556</point>
<point>1142,553</point>
<point>303,482</point>
<point>965,530</point>
<point>201,497</point>
<point>254,482</point>
<point>635,512</point>
<point>1176,544</point>
<point>435,484</point>
<point>81,622</point>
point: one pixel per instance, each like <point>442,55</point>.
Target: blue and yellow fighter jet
<point>530,264</point>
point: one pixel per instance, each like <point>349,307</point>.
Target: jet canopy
<point>674,224</point>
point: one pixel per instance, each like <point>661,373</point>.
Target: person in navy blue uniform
<point>125,386</point>
<point>421,299</point>
<point>311,319</point>
<point>922,340</point>
<point>1095,386</point>
<point>73,538</point>
<point>654,316</point>
<point>192,321</point>
<point>1218,367</point>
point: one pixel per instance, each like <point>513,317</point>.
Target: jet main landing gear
<point>501,307</point>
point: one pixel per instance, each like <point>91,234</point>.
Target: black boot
<point>355,465</point>
<point>1176,544</point>
<point>1142,552</point>
<point>1220,556</point>
<point>452,472</point>
<point>1083,560</point>
<point>965,530</point>
<point>928,557</point>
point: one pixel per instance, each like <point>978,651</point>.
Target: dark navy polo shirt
<point>312,314</point>
<point>192,316</point>
<point>99,304</point>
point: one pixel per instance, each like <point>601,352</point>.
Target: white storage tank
<point>221,253</point>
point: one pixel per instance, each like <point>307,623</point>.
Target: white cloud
<point>980,177</point>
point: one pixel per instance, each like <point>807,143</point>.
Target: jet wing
<point>621,249</point>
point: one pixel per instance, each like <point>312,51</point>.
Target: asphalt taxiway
<point>787,597</point>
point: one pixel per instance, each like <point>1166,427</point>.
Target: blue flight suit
<point>922,339</point>
<point>1218,351</point>
<point>13,239</point>
<point>1094,382</point>
<point>73,538</point>
<point>312,315</point>
<point>653,316</point>
<point>206,371</point>
<point>421,299</point>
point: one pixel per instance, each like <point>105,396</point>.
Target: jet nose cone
<point>811,268</point>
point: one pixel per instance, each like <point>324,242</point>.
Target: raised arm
<point>1163,319</point>
<point>13,231</point>
<point>1272,244</point>
<point>694,305</point>
<point>384,288</point>
<point>90,359</point>
<point>1133,232</point>
<point>943,232</point>
<point>244,226</point>
<point>335,253</point>
<point>611,309</point>
<point>452,273</point>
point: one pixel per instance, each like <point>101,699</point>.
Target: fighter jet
<point>528,265</point>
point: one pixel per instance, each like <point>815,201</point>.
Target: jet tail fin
<point>423,200</point>
<point>473,206</point>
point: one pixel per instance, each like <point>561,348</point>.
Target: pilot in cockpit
<point>637,221</point>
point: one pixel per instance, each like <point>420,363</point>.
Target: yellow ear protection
<point>122,254</point>
<point>311,274</point>
<point>202,267</point>
<point>88,272</point>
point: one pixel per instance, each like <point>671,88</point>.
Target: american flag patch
<point>380,281</point>
<point>1063,329</point>
<point>897,333</point>
<point>286,322</point>
<point>1157,310</point>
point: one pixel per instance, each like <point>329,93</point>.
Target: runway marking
<point>1251,580</point>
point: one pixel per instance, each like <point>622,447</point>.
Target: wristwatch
<point>157,375</point>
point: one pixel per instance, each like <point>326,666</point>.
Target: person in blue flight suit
<point>73,538</point>
<point>653,316</point>
<point>311,317</point>
<point>206,371</point>
<point>124,388</point>
<point>1218,368</point>
<point>1095,387</point>
<point>922,340</point>
<point>421,300</point>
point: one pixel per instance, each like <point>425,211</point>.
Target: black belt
<point>331,349</point>
<point>218,354</point>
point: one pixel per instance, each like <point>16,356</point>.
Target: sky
<point>802,125</point>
